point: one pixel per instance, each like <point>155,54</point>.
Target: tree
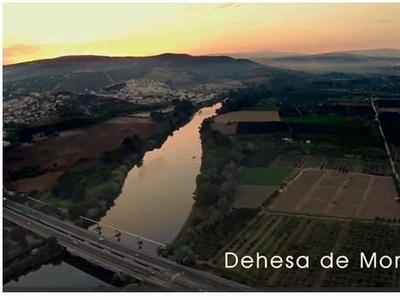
<point>18,234</point>
<point>77,210</point>
<point>184,255</point>
<point>157,116</point>
<point>134,143</point>
<point>78,193</point>
<point>206,193</point>
<point>223,204</point>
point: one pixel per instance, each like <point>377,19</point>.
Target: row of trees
<point>245,98</point>
<point>207,238</point>
<point>217,180</point>
<point>215,190</point>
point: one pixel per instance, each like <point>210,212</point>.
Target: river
<point>155,202</point>
<point>157,197</point>
<point>52,277</point>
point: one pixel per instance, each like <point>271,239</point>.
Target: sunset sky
<point>35,31</point>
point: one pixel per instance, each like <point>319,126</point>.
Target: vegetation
<point>270,234</point>
<point>218,175</point>
<point>215,188</point>
<point>205,239</point>
<point>23,133</point>
<point>321,128</point>
<point>264,107</point>
<point>325,119</point>
<point>263,176</point>
<point>318,131</point>
<point>245,98</point>
<point>89,188</point>
<point>24,173</point>
<point>311,94</point>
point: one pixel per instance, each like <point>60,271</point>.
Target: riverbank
<point>90,187</point>
<point>26,253</point>
<point>60,275</point>
<point>161,189</point>
<point>213,196</point>
<point>31,259</point>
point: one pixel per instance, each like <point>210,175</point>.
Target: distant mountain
<point>377,52</point>
<point>81,73</point>
<point>324,57</point>
<point>337,62</point>
<point>394,53</point>
<point>260,54</point>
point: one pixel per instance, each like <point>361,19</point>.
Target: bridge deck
<point>116,257</point>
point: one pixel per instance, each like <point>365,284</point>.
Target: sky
<point>36,31</point>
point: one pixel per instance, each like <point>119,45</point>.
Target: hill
<point>83,73</point>
<point>377,52</point>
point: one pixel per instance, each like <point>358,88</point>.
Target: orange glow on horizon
<point>37,31</point>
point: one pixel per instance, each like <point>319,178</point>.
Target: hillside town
<point>35,107</point>
<point>28,109</point>
<point>150,92</point>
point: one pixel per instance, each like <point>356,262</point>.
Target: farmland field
<point>57,154</point>
<point>225,128</point>
<point>252,196</point>
<point>263,176</point>
<point>270,234</point>
<point>332,193</point>
<point>260,142</point>
<point>247,116</point>
<point>377,167</point>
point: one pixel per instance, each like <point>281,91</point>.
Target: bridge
<point>116,257</point>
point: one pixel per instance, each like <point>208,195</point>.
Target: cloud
<point>14,51</point>
<point>205,7</point>
<point>227,5</point>
<point>193,8</point>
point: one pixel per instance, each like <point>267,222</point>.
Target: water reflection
<point>60,277</point>
<point>157,197</point>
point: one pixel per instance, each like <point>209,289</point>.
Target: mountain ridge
<point>375,52</point>
<point>91,72</point>
<point>90,57</point>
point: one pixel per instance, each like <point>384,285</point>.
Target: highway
<point>117,257</point>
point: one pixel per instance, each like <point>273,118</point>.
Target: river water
<point>155,202</point>
<point>55,277</point>
<point>157,197</point>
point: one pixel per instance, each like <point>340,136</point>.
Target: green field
<point>333,120</point>
<point>263,176</point>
